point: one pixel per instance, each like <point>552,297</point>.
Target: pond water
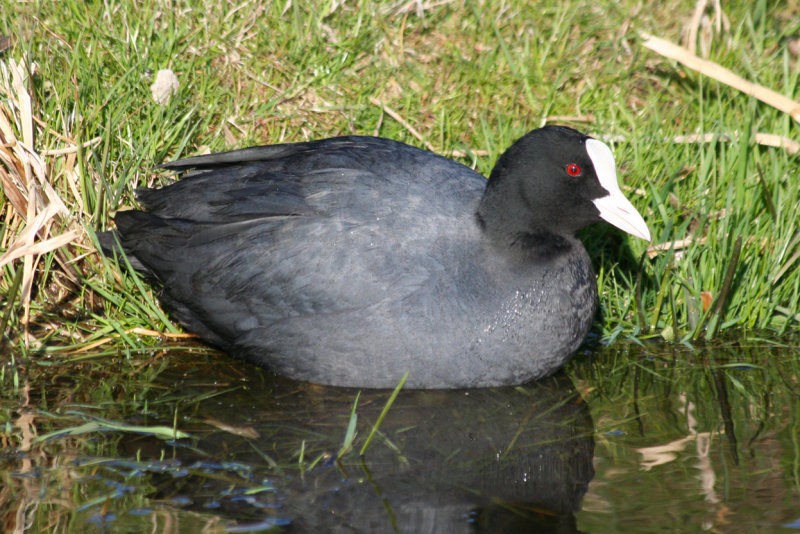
<point>629,438</point>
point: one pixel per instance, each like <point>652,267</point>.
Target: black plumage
<point>352,260</point>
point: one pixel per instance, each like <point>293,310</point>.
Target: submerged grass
<point>469,77</point>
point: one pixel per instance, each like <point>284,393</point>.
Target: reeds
<point>36,220</point>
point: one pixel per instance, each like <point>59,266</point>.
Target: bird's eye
<point>573,169</point>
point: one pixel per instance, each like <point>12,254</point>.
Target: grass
<point>468,77</point>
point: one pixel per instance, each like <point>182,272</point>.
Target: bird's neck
<point>510,224</point>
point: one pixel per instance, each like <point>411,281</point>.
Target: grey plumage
<point>352,260</point>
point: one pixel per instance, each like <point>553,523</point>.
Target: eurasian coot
<point>353,260</point>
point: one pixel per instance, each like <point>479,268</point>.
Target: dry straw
<point>35,219</point>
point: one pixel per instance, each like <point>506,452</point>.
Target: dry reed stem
<point>677,245</point>
<point>138,331</point>
<point>722,75</point>
<point>764,139</point>
<point>701,20</point>
<point>71,149</point>
<point>396,116</point>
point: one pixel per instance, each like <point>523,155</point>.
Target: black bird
<point>353,260</point>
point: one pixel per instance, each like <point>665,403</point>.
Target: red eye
<point>573,169</point>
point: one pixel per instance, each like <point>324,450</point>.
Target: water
<point>628,439</point>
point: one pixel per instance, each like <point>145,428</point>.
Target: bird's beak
<point>614,207</point>
<point>617,210</point>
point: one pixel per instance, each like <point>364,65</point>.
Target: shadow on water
<point>442,461</point>
<point>274,454</point>
<point>630,439</point>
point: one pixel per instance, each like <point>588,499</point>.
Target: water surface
<point>630,438</point>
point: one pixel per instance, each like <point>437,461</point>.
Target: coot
<point>353,260</point>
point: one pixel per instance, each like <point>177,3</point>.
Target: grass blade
<point>385,411</point>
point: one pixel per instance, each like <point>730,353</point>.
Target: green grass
<point>468,76</point>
